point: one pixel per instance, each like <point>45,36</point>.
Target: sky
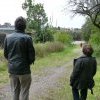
<point>11,9</point>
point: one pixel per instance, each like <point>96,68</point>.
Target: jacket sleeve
<point>94,67</point>
<point>31,51</point>
<point>5,49</point>
<point>76,72</point>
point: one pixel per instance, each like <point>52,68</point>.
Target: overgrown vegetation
<point>63,37</point>
<point>47,48</point>
<point>91,35</point>
<point>3,69</point>
<point>95,41</point>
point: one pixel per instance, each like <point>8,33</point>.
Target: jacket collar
<point>19,31</point>
<point>84,56</point>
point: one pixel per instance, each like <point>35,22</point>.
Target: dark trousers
<point>79,94</point>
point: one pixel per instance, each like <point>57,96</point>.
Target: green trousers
<point>20,85</point>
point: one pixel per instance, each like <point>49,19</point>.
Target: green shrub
<point>63,37</point>
<point>95,41</point>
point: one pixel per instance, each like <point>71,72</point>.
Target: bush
<point>48,35</point>
<point>95,41</point>
<point>45,35</point>
<point>63,37</point>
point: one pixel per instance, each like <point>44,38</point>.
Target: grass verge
<point>53,59</point>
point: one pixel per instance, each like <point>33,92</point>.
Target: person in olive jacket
<point>84,70</point>
<point>20,53</point>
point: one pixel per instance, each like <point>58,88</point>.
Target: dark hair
<point>20,24</point>
<point>87,50</point>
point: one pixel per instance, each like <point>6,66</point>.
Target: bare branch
<point>90,8</point>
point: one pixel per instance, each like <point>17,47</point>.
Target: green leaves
<point>36,15</point>
<point>36,20</point>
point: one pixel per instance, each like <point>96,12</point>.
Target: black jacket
<point>83,72</point>
<point>20,53</point>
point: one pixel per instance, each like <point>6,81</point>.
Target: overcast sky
<point>11,9</point>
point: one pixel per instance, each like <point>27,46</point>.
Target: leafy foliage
<point>63,37</point>
<point>46,35</point>
<point>76,34</point>
<point>87,29</point>
<point>95,41</point>
<point>91,35</point>
<point>36,19</point>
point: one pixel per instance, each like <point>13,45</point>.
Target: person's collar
<point>19,31</point>
<point>85,56</point>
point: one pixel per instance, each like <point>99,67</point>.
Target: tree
<point>37,18</point>
<point>7,24</point>
<point>88,29</point>
<point>76,34</point>
<point>90,8</point>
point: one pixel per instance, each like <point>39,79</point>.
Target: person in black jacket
<point>84,70</point>
<point>20,53</point>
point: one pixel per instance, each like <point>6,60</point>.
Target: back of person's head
<point>87,50</point>
<point>20,24</point>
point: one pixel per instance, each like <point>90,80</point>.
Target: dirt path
<point>43,82</point>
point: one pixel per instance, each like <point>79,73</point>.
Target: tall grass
<point>40,50</point>
<point>3,62</point>
<point>3,69</point>
<point>47,48</point>
<point>54,47</point>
